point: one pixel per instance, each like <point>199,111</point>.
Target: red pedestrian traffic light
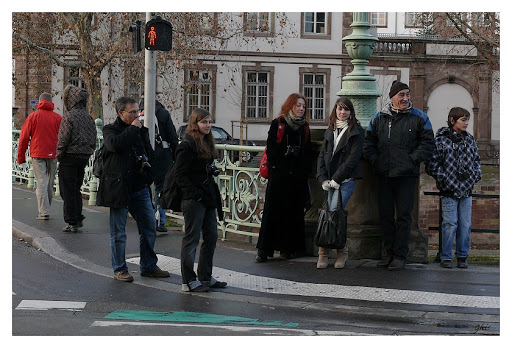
<point>158,35</point>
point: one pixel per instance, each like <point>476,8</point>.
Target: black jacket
<point>193,176</point>
<point>346,161</point>
<point>396,143</point>
<point>123,172</point>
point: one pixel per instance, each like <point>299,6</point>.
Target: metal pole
<point>149,89</point>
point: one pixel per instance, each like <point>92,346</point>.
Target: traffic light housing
<point>135,29</point>
<point>158,35</point>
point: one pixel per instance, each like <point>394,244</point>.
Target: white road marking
<point>41,305</point>
<point>232,328</point>
<point>286,287</point>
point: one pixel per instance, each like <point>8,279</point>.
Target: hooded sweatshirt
<point>40,129</point>
<point>77,133</point>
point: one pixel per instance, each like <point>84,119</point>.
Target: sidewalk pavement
<point>359,288</point>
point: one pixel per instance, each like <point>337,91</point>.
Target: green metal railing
<point>241,187</point>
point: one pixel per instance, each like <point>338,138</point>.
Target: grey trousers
<point>198,218</point>
<point>44,172</point>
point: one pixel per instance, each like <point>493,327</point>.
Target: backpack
<point>97,164</point>
<point>264,165</point>
<point>170,197</point>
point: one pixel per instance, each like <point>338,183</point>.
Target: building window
<point>413,20</point>
<point>199,90</point>
<point>316,25</point>
<point>314,22</point>
<point>257,94</point>
<point>74,77</point>
<point>258,22</point>
<point>379,19</point>
<point>207,20</point>
<point>314,84</point>
<point>314,91</point>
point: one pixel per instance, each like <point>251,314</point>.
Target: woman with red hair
<point>287,193</point>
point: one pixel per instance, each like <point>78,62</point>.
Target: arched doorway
<point>445,97</point>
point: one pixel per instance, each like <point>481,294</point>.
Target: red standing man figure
<point>152,36</point>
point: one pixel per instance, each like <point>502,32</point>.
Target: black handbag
<point>331,231</point>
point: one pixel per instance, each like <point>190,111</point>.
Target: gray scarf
<point>295,121</point>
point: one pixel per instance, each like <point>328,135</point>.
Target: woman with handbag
<point>287,193</point>
<point>339,166</point>
<point>194,171</point>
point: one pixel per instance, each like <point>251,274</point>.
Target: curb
<point>48,245</point>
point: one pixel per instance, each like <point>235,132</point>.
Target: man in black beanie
<point>397,140</point>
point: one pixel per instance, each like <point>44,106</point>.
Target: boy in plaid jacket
<point>455,165</point>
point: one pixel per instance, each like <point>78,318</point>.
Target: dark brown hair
<point>456,113</point>
<point>205,144</point>
<point>352,119</point>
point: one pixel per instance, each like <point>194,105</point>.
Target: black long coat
<point>121,172</point>
<point>282,226</point>
<point>346,161</point>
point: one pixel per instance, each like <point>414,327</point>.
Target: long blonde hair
<point>205,144</point>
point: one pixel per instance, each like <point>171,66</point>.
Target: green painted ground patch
<point>192,317</point>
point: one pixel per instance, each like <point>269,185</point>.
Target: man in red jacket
<point>41,129</point>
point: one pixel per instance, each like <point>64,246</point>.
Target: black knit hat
<point>396,87</point>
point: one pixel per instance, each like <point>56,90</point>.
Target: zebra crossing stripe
<point>364,293</point>
<point>41,305</point>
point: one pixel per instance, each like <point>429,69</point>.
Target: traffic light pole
<point>149,89</point>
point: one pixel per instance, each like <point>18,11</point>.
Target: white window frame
<point>256,22</point>
<point>311,91</point>
<point>315,22</point>
<point>202,88</point>
<point>74,77</point>
<point>260,91</point>
<point>379,19</point>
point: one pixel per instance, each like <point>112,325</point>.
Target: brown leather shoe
<point>123,276</point>
<point>156,273</point>
<point>396,265</point>
<point>384,263</point>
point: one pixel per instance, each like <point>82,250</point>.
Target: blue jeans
<point>141,209</point>
<point>346,189</point>
<point>456,223</point>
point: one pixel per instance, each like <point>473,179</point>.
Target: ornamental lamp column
<point>359,85</point>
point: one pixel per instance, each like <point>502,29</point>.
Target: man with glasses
<point>125,187</point>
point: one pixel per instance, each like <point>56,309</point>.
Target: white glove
<point>325,185</point>
<point>333,184</point>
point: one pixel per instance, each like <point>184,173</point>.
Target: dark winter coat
<point>455,163</point>
<point>193,175</point>
<point>163,157</point>
<point>77,132</point>
<point>396,143</point>
<point>346,161</point>
<point>287,192</point>
<point>123,172</point>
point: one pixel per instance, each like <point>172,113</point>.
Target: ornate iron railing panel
<point>241,187</point>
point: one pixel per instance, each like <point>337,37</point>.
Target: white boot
<point>342,257</point>
<point>323,258</point>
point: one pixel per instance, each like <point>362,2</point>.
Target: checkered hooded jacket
<point>455,163</point>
